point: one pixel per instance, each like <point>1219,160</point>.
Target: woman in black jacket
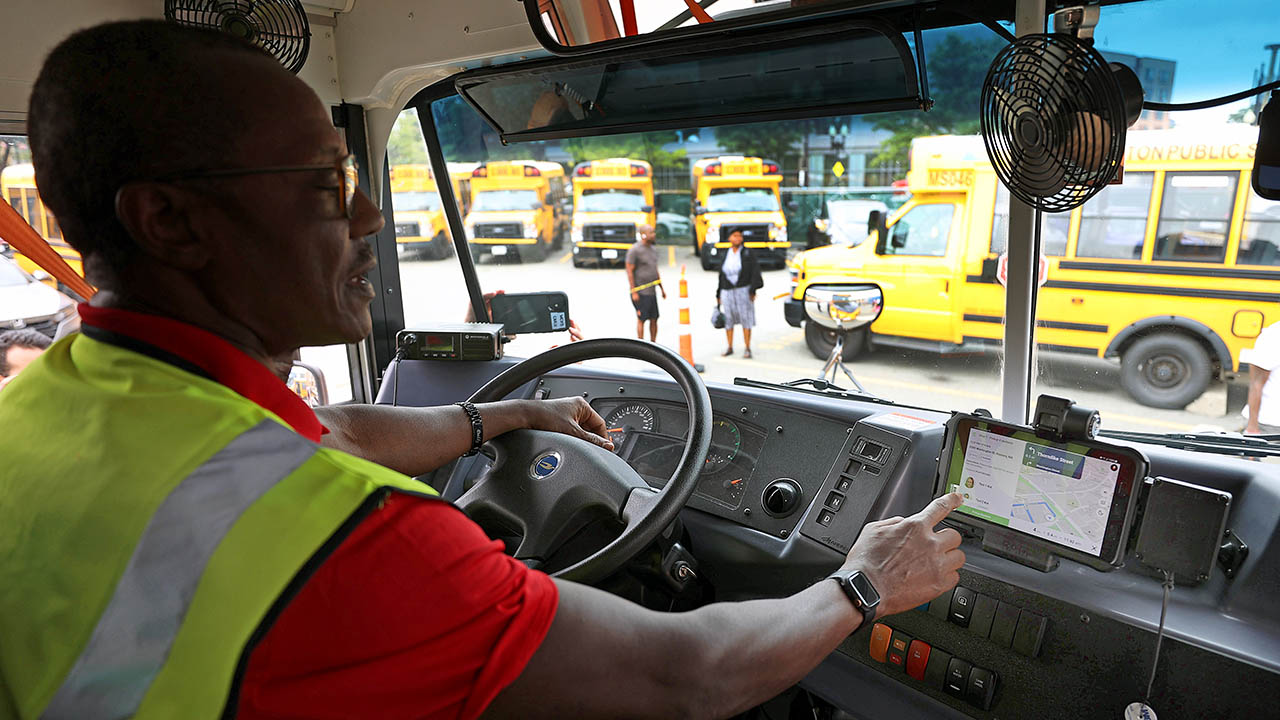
<point>739,280</point>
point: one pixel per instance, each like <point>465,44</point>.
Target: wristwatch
<point>860,591</point>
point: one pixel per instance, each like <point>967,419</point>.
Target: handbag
<point>717,318</point>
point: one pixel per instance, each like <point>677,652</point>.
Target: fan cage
<point>278,26</point>
<point>1053,121</point>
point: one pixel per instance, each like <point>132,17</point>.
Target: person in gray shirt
<point>644,281</point>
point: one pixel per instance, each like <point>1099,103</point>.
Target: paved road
<point>599,303</point>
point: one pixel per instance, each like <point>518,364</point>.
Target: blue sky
<point>1217,45</point>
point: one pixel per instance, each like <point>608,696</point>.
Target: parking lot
<point>600,304</point>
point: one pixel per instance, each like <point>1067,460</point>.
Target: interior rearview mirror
<point>646,208</point>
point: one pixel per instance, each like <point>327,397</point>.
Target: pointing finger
<point>935,511</point>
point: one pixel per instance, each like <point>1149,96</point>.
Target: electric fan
<point>1054,114</point>
<point>278,26</point>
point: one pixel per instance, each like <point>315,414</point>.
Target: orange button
<point>880,634</point>
<point>918,658</point>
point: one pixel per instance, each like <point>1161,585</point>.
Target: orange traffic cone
<point>686,339</point>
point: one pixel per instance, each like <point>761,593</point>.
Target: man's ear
<point>157,218</point>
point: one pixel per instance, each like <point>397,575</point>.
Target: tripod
<point>836,360</point>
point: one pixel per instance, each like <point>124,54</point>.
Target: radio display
<point>1076,496</point>
<point>437,343</point>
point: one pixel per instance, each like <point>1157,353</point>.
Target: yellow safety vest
<point>151,521</point>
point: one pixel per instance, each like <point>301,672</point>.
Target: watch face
<point>868,594</point>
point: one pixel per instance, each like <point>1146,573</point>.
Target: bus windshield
<point>747,199</point>
<point>416,201</point>
<point>611,200</point>
<point>496,200</point>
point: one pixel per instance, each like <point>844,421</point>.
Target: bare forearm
<point>752,651</point>
<point>413,440</point>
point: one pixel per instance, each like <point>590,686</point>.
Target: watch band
<point>477,427</point>
<point>845,580</point>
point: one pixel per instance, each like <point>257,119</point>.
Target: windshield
<point>1174,245</point>
<point>11,275</point>
<point>742,199</point>
<point>416,201</point>
<point>505,200</point>
<point>611,200</point>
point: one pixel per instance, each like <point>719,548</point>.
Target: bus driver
<point>180,534</point>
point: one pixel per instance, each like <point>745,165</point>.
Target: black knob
<point>781,497</point>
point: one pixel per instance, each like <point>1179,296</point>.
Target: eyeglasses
<point>346,169</point>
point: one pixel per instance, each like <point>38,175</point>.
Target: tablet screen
<point>1063,495</point>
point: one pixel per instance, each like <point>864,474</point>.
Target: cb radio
<point>451,341</point>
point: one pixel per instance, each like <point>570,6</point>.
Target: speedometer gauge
<point>627,419</point>
<point>726,441</point>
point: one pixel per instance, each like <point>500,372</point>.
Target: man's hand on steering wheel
<point>571,416</point>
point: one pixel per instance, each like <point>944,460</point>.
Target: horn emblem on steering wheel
<point>545,466</point>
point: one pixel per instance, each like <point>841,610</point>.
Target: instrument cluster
<point>650,436</point>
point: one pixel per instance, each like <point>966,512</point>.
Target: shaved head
<point>127,101</point>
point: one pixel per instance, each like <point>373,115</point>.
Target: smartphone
<point>539,312</point>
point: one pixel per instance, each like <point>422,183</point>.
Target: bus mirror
<point>548,199</point>
<point>699,210</point>
<point>539,206</point>
<point>646,208</point>
<point>875,223</point>
<point>307,382</point>
<point>900,233</point>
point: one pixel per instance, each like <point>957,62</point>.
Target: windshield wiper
<point>1250,446</point>
<point>816,387</point>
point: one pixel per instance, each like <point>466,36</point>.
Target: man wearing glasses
<point>187,539</point>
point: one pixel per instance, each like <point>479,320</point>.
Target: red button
<point>898,645</point>
<point>880,634</point>
<point>917,658</point>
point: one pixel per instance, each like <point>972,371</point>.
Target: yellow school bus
<point>732,192</point>
<point>611,199</point>
<point>419,219</point>
<point>516,209</point>
<point>18,186</point>
<point>1173,271</point>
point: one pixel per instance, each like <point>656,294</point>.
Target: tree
<point>639,146</point>
<point>956,72</point>
<point>406,145</point>
<point>770,140</point>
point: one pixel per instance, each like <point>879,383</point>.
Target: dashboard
<point>790,481</point>
<point>793,477</point>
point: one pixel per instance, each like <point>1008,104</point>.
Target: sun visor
<point>847,68</point>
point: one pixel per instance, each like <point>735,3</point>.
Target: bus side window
<point>922,231</point>
<point>1194,216</point>
<point>1260,237</point>
<point>1053,227</point>
<point>55,231</point>
<point>1113,224</point>
<point>14,196</point>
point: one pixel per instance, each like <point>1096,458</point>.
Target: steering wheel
<point>550,485</point>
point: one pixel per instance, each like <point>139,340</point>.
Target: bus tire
<point>821,341</point>
<point>1165,370</point>
<point>705,259</point>
<point>537,252</point>
<point>440,247</point>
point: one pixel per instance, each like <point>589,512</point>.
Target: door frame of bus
<point>369,358</point>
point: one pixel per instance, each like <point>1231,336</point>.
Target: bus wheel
<point>536,252</point>
<point>440,247</point>
<point>1167,370</point>
<point>821,341</point>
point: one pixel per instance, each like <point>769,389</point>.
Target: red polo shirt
<point>417,614</point>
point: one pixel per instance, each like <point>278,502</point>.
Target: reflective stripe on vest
<point>132,639</point>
